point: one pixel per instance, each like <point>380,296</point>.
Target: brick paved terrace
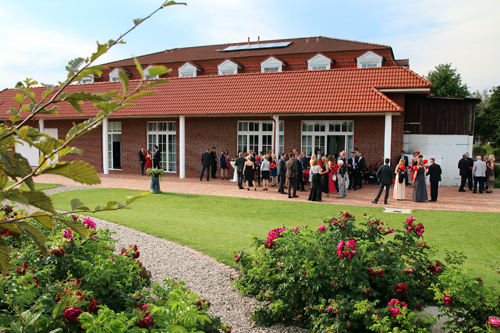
<point>449,197</point>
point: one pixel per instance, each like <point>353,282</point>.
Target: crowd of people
<point>336,175</point>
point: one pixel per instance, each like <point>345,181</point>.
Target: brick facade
<point>221,132</point>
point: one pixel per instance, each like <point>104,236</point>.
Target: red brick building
<point>306,93</point>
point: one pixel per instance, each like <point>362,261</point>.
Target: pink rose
<point>410,220</point>
<point>493,322</point>
<point>72,313</point>
<point>280,230</point>
<point>295,229</point>
<point>146,322</point>
<point>395,312</point>
<point>68,233</point>
<point>330,309</point>
<point>90,224</point>
<point>273,234</point>
<point>447,300</point>
<point>321,228</point>
<point>351,244</point>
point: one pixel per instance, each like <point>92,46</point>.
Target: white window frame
<point>271,63</point>
<point>228,67</point>
<point>87,80</point>
<point>169,129</point>
<point>113,76</point>
<point>246,132</point>
<point>319,60</point>
<point>187,70</point>
<point>369,59</point>
<point>312,134</point>
<point>147,76</point>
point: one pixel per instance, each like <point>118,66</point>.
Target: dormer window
<point>228,67</point>
<point>271,65</point>
<point>87,80</point>
<point>369,59</point>
<point>319,62</point>
<point>113,76</point>
<point>187,70</point>
<point>149,77</point>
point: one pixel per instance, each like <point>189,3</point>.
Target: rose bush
<point>80,284</point>
<point>344,276</point>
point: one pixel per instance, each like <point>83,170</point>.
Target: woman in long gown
<point>419,187</point>
<point>331,165</point>
<point>342,175</point>
<point>248,171</point>
<point>399,182</point>
<point>149,165</point>
<point>325,184</point>
<point>315,170</point>
<point>490,173</point>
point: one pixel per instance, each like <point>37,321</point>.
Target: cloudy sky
<point>38,38</point>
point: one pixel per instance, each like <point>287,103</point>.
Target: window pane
<point>271,70</point>
<point>322,126</point>
<point>256,127</point>
<point>344,126</point>
<point>282,126</point>
<point>350,126</point>
<point>310,127</point>
<point>337,126</point>
<point>245,126</point>
<point>240,126</point>
<point>304,126</point>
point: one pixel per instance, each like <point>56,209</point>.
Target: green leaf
<point>39,200</point>
<point>69,150</point>
<point>73,65</point>
<point>30,183</point>
<point>4,256</point>
<point>139,67</point>
<point>140,94</point>
<point>15,164</point>
<point>76,106</point>
<point>75,203</point>
<point>176,329</point>
<point>124,81</point>
<point>50,89</point>
<point>138,20</point>
<point>76,226</point>
<point>43,219</point>
<point>14,119</point>
<point>111,205</point>
<point>135,197</point>
<point>17,196</point>
<point>47,144</point>
<point>28,93</point>
<point>170,3</point>
<point>52,110</point>
<point>78,171</point>
<point>35,234</point>
<point>101,49</point>
<point>158,70</point>
<point>19,98</point>
<point>3,180</point>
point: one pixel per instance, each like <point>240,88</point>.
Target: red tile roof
<point>298,45</point>
<point>303,92</point>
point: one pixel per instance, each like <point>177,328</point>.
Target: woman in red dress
<point>331,165</point>
<point>149,165</point>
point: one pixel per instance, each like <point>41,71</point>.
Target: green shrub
<point>341,277</point>
<point>81,285</point>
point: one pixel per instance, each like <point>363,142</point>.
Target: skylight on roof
<point>256,46</point>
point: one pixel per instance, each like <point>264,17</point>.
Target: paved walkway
<point>449,197</point>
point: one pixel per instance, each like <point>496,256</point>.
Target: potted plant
<point>156,177</point>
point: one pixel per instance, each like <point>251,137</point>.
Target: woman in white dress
<point>399,182</point>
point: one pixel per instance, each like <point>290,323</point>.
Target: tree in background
<point>447,82</point>
<point>488,118</point>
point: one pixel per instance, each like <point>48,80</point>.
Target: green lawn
<point>38,186</point>
<point>217,225</point>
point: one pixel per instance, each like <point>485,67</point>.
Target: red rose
<point>401,288</point>
<point>92,306</point>
<point>146,322</point>
<point>447,300</point>
<point>72,313</point>
<point>137,254</point>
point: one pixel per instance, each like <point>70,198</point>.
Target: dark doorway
<point>335,144</point>
<point>117,159</point>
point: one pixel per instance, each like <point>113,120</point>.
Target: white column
<point>105,166</point>
<point>388,135</point>
<point>276,134</point>
<point>182,146</point>
<point>41,124</point>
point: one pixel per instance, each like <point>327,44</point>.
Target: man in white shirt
<point>479,173</point>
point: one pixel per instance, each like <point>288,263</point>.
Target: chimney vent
<point>258,40</point>
<point>248,40</point>
<point>307,40</point>
<point>317,39</point>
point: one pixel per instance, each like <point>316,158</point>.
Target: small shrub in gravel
<point>341,277</point>
<point>87,286</point>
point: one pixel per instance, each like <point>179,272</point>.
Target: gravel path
<point>203,275</point>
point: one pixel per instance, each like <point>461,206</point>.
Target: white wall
<point>446,149</point>
<point>31,153</point>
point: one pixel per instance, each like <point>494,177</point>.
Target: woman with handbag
<point>399,182</point>
<point>490,173</point>
<point>342,179</point>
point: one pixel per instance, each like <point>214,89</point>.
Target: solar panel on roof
<point>256,46</point>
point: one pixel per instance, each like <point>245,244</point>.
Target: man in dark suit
<point>404,157</point>
<point>156,158</point>
<point>299,174</point>
<point>282,173</point>
<point>205,162</point>
<point>434,173</point>
<point>240,164</point>
<point>469,175</point>
<point>213,162</point>
<point>142,159</point>
<point>302,175</point>
<point>353,171</point>
<point>361,169</point>
<point>463,165</point>
<point>291,175</point>
<point>384,175</point>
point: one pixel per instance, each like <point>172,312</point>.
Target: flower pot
<point>155,184</point>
